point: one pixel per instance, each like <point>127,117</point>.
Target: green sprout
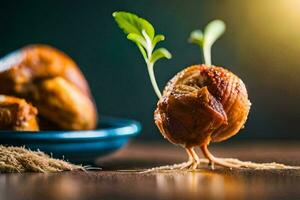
<point>142,33</point>
<point>206,39</point>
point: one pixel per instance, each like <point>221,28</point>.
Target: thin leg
<point>193,159</point>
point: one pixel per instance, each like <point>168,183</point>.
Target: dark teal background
<point>261,45</point>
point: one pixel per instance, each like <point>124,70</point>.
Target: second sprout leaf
<point>212,32</point>
<point>196,37</point>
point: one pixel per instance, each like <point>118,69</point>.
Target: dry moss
<point>19,159</point>
<point>238,163</point>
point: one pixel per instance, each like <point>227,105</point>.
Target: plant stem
<point>152,78</point>
<point>149,49</point>
<point>207,55</point>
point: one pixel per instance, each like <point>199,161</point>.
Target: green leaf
<point>160,53</point>
<point>197,37</point>
<point>131,23</point>
<point>213,31</point>
<point>137,39</point>
<point>142,50</point>
<point>157,39</point>
<point>205,40</point>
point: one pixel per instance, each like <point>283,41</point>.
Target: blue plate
<point>77,146</point>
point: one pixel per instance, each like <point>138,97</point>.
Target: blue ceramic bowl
<point>77,146</point>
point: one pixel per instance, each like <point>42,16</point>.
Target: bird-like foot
<point>192,164</point>
<point>238,164</point>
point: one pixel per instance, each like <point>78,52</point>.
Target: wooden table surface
<point>119,180</point>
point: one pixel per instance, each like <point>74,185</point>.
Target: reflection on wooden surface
<point>201,184</point>
<point>131,184</point>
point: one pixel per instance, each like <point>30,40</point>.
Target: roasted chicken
<point>64,104</point>
<point>52,82</point>
<point>17,114</point>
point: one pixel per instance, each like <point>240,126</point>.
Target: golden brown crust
<point>202,104</point>
<point>24,71</point>
<point>17,114</point>
<point>38,62</point>
<point>64,104</point>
